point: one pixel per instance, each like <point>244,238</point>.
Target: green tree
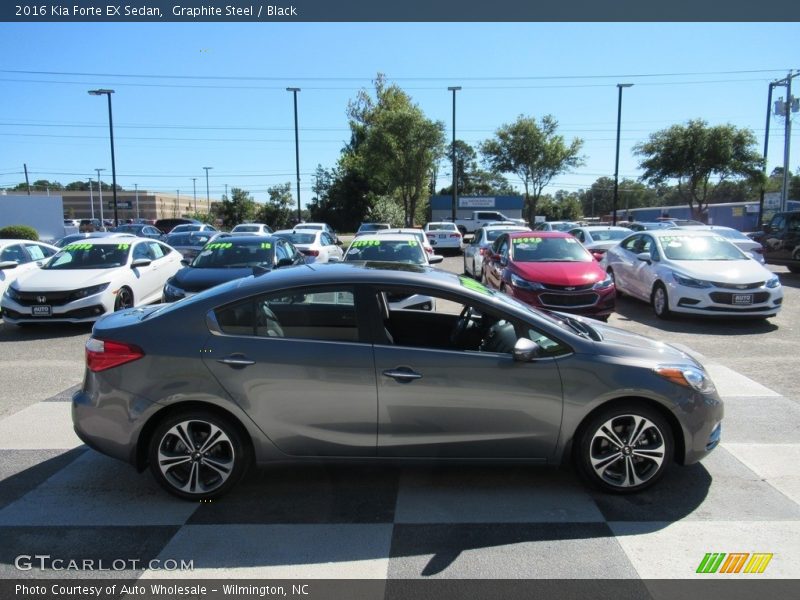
<point>279,211</point>
<point>342,197</point>
<point>386,210</point>
<point>472,180</point>
<point>694,153</point>
<point>394,144</point>
<point>533,152</point>
<point>239,209</point>
<point>598,200</point>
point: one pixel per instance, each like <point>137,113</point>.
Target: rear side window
<point>321,314</point>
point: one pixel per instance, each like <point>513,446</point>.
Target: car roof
<point>541,234</point>
<point>679,231</point>
<point>603,228</point>
<point>388,237</point>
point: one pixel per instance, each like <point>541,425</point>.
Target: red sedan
<point>551,270</point>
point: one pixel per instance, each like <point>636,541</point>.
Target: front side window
<point>38,252</point>
<point>15,253</point>
<point>322,314</point>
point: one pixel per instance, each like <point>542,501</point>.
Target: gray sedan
<point>311,363</point>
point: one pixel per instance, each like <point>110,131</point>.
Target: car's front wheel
<point>660,301</point>
<point>624,449</point>
<point>124,299</point>
<point>197,454</point>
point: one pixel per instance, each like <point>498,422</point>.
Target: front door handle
<point>402,374</point>
<point>236,361</point>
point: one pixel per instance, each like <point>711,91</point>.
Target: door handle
<point>402,374</point>
<point>236,361</point>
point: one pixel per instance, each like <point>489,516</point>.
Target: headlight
<point>690,281</point>
<point>687,376</point>
<point>521,283</point>
<point>89,291</point>
<point>171,290</point>
<point>773,282</point>
<point>603,285</point>
<point>12,293</point>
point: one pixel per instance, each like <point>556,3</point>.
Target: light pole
<point>294,91</point>
<point>100,187</point>
<point>136,189</point>
<point>454,89</point>
<point>616,161</point>
<point>208,196</point>
<point>194,193</point>
<point>91,197</point>
<point>111,135</point>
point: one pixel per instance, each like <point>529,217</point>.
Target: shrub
<point>19,232</point>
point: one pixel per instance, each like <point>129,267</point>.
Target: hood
<point>192,279</point>
<point>618,342</point>
<point>62,280</point>
<point>560,273</point>
<point>722,271</point>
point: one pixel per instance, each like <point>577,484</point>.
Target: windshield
<point>298,237</point>
<point>85,255</point>
<point>607,235</point>
<point>493,234</point>
<point>405,251</point>
<point>549,249</point>
<point>247,228</point>
<point>227,255</point>
<point>732,234</point>
<point>684,247</point>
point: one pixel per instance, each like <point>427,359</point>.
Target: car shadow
<point>41,331</point>
<point>631,309</point>
<point>788,279</point>
<point>375,518</point>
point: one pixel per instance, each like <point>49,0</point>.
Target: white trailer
<point>44,213</point>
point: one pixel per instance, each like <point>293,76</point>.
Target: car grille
<point>727,298</point>
<point>568,300</point>
<point>738,286</point>
<point>51,298</point>
<point>568,288</point>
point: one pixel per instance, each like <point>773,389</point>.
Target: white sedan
<point>18,257</point>
<point>694,272</point>
<point>88,279</point>
<point>482,240</point>
<point>443,234</point>
<point>316,245</point>
<point>597,239</point>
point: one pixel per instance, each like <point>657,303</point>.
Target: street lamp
<point>111,135</point>
<point>194,192</point>
<point>100,186</point>
<point>616,162</point>
<point>454,89</point>
<point>208,197</point>
<point>294,91</point>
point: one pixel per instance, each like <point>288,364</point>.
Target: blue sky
<point>214,94</point>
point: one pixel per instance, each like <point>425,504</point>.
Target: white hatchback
<point>693,272</point>
<point>91,278</point>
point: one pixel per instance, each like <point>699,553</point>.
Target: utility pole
<point>208,197</point>
<point>454,89</point>
<point>766,149</point>
<point>136,188</point>
<point>100,186</point>
<point>194,192</point>
<point>91,197</point>
<point>616,161</point>
<point>787,113</point>
<point>294,91</point>
<point>27,182</point>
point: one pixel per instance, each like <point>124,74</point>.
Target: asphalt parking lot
<point>59,498</point>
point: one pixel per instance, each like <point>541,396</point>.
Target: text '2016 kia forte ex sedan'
<point>313,363</point>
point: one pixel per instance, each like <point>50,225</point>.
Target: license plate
<point>742,299</point>
<point>41,311</point>
<point>442,236</point>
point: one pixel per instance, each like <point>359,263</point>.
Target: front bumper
<point>763,301</point>
<point>592,303</point>
<point>85,310</point>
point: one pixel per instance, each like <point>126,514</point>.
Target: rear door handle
<point>402,374</point>
<point>236,361</point>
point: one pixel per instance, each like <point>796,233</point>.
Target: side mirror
<point>9,264</point>
<point>141,262</point>
<point>338,242</point>
<point>334,259</point>
<point>285,262</point>
<point>503,261</point>
<point>526,350</point>
<point>434,259</point>
<point>186,262</point>
<point>644,256</point>
<point>598,256</point>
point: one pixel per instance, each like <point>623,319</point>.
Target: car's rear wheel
<point>197,454</point>
<point>660,301</point>
<point>124,299</point>
<point>624,449</point>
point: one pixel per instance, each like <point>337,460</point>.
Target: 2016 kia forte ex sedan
<point>313,363</point>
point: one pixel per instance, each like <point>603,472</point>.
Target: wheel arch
<point>145,435</point>
<point>679,439</point>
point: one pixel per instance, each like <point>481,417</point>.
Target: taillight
<point>310,252</point>
<point>455,235</point>
<point>106,354</point>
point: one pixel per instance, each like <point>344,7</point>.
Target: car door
<point>329,247</point>
<point>444,402</point>
<point>642,272</point>
<point>625,263</point>
<point>301,365</point>
<point>493,263</point>
<point>146,282</point>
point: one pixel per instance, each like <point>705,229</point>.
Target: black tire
<point>660,301</point>
<point>610,272</point>
<point>632,465</point>
<point>124,299</point>
<point>188,472</point>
